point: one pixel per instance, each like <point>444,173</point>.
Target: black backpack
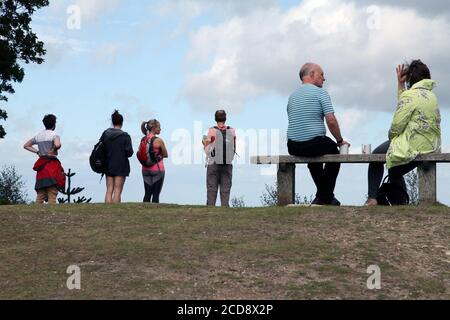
<point>97,160</point>
<point>392,194</point>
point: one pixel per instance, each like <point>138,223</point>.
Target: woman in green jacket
<point>415,129</point>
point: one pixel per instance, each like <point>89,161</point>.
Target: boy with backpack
<point>220,147</point>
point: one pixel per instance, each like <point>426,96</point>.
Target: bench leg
<point>286,184</point>
<point>427,183</point>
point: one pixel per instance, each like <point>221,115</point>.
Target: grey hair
<point>306,69</point>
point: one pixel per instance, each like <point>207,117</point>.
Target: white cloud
<point>59,47</point>
<point>107,53</point>
<point>193,8</point>
<point>350,119</point>
<point>186,11</point>
<point>134,108</point>
<point>429,8</point>
<point>91,10</point>
<point>60,42</point>
<point>261,52</point>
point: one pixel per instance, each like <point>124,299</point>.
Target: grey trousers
<point>219,175</point>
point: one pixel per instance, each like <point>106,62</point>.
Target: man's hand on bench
<point>344,142</point>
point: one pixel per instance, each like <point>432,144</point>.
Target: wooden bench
<point>286,171</point>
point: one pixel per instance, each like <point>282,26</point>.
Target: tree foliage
<point>238,202</point>
<point>270,197</point>
<point>18,43</point>
<point>69,192</point>
<point>11,187</point>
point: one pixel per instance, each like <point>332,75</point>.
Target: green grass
<point>138,251</point>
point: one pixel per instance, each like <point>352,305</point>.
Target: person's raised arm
<point>29,146</point>
<point>401,78</point>
<point>206,141</point>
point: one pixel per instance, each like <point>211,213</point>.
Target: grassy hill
<point>137,251</point>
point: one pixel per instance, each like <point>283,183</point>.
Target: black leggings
<point>376,172</point>
<point>152,191</point>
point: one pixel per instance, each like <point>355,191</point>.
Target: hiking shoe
<point>371,202</point>
<point>335,202</point>
<point>317,202</point>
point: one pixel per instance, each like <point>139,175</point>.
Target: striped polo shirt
<point>306,110</point>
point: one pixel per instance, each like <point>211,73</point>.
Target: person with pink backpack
<point>151,154</point>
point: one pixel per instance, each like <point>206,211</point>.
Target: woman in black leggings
<point>376,172</point>
<point>154,174</point>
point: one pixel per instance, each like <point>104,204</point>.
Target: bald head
<point>307,69</point>
<point>312,73</point>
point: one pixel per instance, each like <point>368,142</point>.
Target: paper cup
<point>344,149</point>
<point>366,149</point>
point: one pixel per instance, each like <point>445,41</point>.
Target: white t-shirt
<point>45,141</point>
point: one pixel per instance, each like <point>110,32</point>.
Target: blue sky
<point>179,61</point>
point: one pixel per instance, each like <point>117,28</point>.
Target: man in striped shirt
<point>307,108</point>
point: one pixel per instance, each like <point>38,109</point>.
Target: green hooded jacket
<point>416,128</point>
